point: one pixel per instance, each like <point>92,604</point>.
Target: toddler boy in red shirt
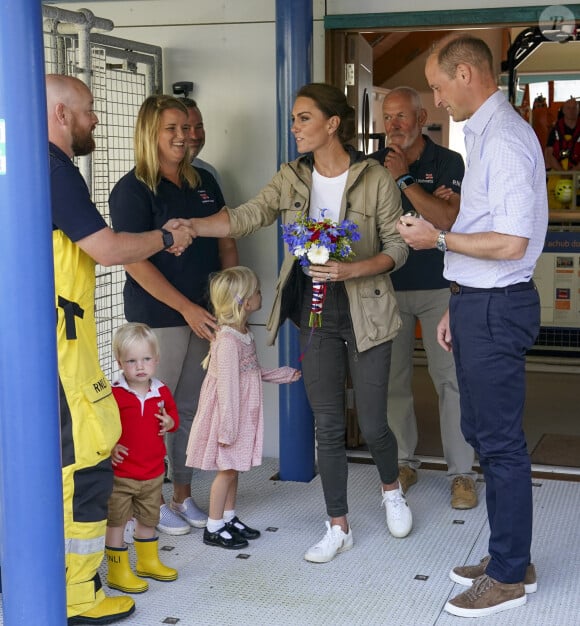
<point>147,411</point>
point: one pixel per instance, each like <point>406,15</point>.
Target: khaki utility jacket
<point>372,200</point>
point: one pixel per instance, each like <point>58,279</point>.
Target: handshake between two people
<point>183,234</point>
<point>184,231</point>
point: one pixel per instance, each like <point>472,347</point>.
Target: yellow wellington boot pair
<point>148,564</point>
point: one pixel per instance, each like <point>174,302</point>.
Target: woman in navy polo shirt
<point>170,294</point>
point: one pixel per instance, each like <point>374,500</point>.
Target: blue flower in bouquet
<point>314,242</point>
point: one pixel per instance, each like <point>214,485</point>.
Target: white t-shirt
<point>326,194</point>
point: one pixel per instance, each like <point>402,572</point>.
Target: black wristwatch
<point>405,181</point>
<point>167,238</point>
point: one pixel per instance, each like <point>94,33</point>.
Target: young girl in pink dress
<point>227,432</point>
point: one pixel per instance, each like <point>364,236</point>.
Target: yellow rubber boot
<point>148,563</point>
<point>120,575</point>
<point>106,612</point>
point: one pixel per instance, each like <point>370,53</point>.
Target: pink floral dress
<point>228,428</point>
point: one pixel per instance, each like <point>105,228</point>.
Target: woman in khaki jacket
<point>360,316</point>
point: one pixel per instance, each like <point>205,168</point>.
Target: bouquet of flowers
<point>314,242</point>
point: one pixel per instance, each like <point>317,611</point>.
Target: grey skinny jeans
<point>327,353</point>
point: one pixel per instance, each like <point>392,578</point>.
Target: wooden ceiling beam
<point>402,53</point>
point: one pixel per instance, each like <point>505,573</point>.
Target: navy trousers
<point>491,333</point>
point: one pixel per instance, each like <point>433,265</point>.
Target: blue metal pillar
<point>31,513</point>
<point>293,69</point>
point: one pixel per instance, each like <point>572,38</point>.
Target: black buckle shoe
<point>245,532</point>
<point>235,542</point>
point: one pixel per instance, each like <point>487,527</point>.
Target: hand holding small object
<point>418,233</point>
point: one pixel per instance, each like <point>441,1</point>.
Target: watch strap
<point>405,181</point>
<point>167,238</point>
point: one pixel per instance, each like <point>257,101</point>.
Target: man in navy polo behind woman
<point>429,178</point>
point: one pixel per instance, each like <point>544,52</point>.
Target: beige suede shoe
<point>407,477</point>
<point>463,493</point>
<point>466,574</point>
<point>487,596</point>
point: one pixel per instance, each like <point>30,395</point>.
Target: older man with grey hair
<point>429,177</point>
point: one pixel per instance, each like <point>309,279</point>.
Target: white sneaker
<point>399,516</point>
<point>334,542</point>
<point>129,531</point>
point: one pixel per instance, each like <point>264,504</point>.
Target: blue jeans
<point>328,352</point>
<point>491,333</point>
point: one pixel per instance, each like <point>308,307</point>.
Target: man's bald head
<point>71,119</point>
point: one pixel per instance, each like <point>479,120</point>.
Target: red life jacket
<point>561,144</point>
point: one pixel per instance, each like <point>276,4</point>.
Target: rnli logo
<point>204,196</point>
<point>100,385</point>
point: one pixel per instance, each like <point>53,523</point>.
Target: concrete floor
<point>381,581</point>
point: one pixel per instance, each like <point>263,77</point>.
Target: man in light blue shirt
<point>494,309</point>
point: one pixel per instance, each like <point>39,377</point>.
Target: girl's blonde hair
<point>146,142</point>
<point>126,335</point>
<point>228,291</point>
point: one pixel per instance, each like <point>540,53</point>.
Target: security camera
<point>182,88</point>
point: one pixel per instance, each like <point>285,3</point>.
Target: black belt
<point>456,288</point>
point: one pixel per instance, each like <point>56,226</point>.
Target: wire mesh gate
<point>121,74</point>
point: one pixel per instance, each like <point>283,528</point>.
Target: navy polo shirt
<point>73,211</point>
<point>135,208</point>
<point>435,167</point>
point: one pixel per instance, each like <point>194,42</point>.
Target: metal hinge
<point>349,74</point>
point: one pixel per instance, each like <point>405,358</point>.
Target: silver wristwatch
<point>441,243</point>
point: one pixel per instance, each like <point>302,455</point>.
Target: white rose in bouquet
<point>318,255</point>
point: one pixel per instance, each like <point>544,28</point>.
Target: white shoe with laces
<point>399,516</point>
<point>334,542</point>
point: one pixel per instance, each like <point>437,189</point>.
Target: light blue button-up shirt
<point>504,191</point>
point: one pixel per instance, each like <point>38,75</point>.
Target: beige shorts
<point>135,498</point>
